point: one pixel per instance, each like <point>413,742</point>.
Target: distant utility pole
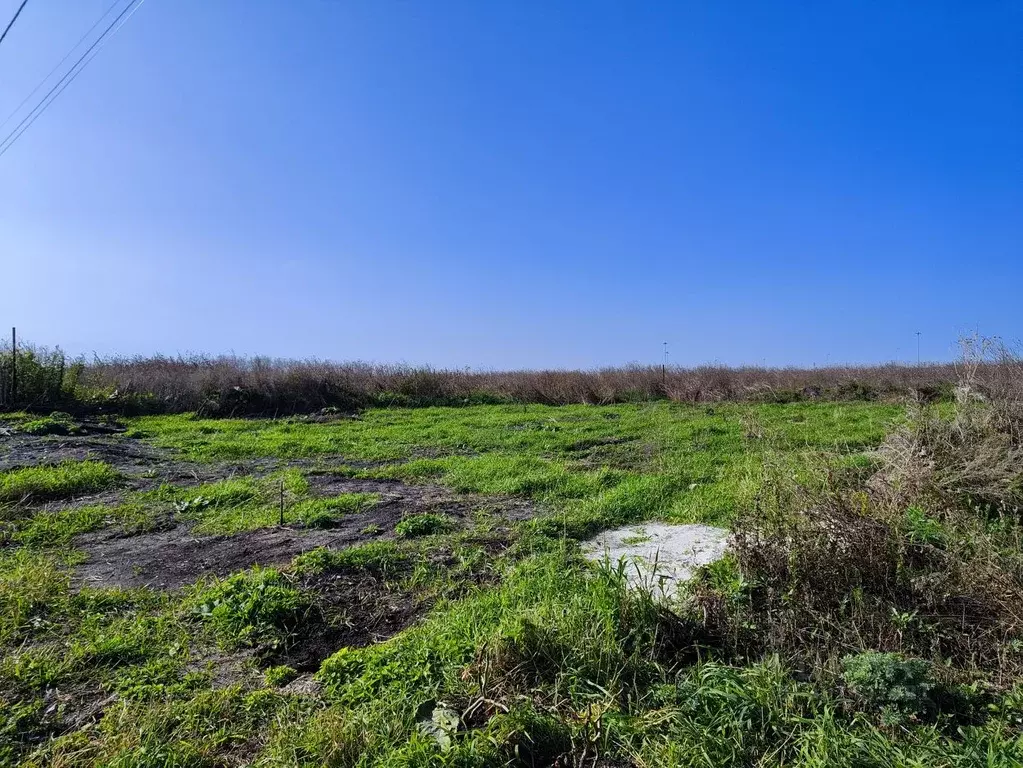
<point>664,366</point>
<point>918,348</point>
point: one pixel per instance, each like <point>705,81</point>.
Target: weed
<point>323,513</point>
<point>279,675</point>
<point>423,524</point>
<point>923,529</point>
<point>378,557</point>
<point>254,607</point>
<point>898,687</point>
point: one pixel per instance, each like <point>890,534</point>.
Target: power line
<point>60,63</point>
<point>10,24</point>
<point>69,76</point>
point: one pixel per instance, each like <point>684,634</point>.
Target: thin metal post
<point>282,502</point>
<point>918,348</point>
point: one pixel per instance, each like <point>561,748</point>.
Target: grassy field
<point>455,635</point>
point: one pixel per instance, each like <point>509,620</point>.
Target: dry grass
<point>974,458</point>
<point>226,385</point>
<point>922,560</point>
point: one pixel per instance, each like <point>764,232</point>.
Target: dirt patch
<point>21,450</point>
<point>350,610</point>
<point>174,557</point>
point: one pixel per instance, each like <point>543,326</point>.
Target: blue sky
<point>519,184</point>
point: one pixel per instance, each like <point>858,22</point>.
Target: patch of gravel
<point>658,557</point>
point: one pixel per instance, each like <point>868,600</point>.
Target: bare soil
<point>173,557</point>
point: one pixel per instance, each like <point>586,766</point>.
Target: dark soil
<point>21,450</point>
<point>174,557</point>
<point>350,610</point>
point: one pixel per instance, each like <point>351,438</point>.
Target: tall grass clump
<point>906,591</point>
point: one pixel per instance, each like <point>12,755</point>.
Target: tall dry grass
<point>221,385</point>
<point>921,558</point>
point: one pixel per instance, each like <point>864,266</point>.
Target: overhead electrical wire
<point>10,24</point>
<point>69,77</point>
<point>60,63</point>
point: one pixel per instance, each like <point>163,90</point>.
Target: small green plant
<point>279,675</point>
<point>725,577</point>
<point>896,686</point>
<point>57,423</point>
<point>254,607</point>
<point>923,529</point>
<point>324,513</point>
<point>423,524</point>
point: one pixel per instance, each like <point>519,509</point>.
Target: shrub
<point>225,386</point>
<point>896,686</point>
<point>43,378</point>
<point>972,456</point>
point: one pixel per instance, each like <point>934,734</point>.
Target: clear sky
<point>506,184</point>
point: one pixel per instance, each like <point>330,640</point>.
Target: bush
<point>972,456</point>
<point>43,378</point>
<point>896,686</point>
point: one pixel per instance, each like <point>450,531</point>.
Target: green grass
<point>247,503</point>
<point>613,463</point>
<point>541,655</point>
<point>424,524</point>
<point>60,481</point>
<point>325,512</point>
<point>137,513</point>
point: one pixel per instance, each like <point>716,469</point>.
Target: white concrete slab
<point>659,557</point>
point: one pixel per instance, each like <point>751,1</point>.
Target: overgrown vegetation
<point>229,386</point>
<point>36,378</point>
<point>869,612</point>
